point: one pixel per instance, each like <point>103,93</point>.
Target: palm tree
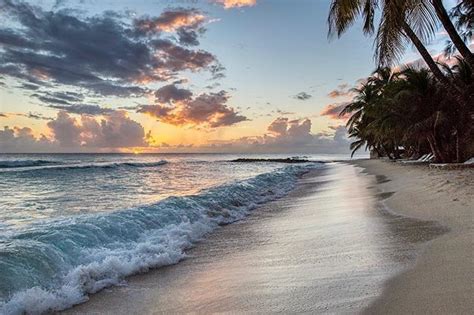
<point>425,118</point>
<point>463,112</point>
<point>410,109</point>
<point>364,109</point>
<point>464,12</point>
<point>400,20</point>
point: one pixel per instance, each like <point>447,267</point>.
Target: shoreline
<point>325,247</point>
<point>440,281</point>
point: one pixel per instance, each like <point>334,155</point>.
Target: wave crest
<point>34,165</point>
<point>54,265</point>
<point>25,163</point>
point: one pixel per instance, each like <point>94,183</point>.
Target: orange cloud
<point>229,4</point>
<point>204,110</point>
<point>172,20</point>
<point>333,111</point>
<point>342,90</point>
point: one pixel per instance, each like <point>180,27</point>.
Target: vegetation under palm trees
<point>415,110</point>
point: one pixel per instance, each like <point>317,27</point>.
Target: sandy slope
<point>442,280</point>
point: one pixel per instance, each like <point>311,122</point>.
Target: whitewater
<point>71,225</point>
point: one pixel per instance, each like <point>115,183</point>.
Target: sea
<point>73,224</point>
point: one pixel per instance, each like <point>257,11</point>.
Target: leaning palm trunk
<point>452,32</point>
<point>439,75</point>
<point>435,149</point>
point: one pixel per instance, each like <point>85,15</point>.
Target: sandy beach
<point>330,246</point>
<point>441,281</point>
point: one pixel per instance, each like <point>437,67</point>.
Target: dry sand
<point>441,282</point>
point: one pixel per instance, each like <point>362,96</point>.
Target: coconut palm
<point>425,118</point>
<point>463,15</point>
<point>410,109</point>
<point>400,20</point>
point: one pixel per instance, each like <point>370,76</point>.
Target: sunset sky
<point>177,76</point>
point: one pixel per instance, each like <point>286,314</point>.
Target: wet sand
<point>442,280</point>
<point>327,247</point>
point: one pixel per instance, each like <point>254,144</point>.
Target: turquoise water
<point>72,225</point>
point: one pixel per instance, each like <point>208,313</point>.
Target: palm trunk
<point>439,75</point>
<point>452,32</point>
<point>433,150</point>
<point>378,151</point>
<point>458,148</point>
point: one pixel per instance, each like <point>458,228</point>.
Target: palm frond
<point>390,41</point>
<point>342,14</point>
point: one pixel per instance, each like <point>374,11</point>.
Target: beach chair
<point>429,158</point>
<point>453,166</point>
<point>421,159</point>
<point>470,161</point>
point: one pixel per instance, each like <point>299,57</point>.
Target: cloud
<point>343,90</point>
<point>103,54</point>
<point>27,115</point>
<point>84,109</point>
<point>284,113</point>
<point>204,110</point>
<point>175,58</point>
<point>70,102</point>
<point>35,116</point>
<point>170,92</point>
<point>27,86</point>
<point>287,136</point>
<point>172,20</point>
<point>69,134</point>
<point>284,131</point>
<point>188,24</point>
<point>284,135</point>
<point>229,4</point>
<point>439,57</point>
<point>63,98</point>
<point>155,110</point>
<point>303,96</point>
<point>215,85</point>
<point>333,110</point>
<point>66,130</point>
<point>115,130</point>
<point>32,116</point>
<point>22,140</point>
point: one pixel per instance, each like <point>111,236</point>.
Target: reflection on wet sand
<point>326,247</point>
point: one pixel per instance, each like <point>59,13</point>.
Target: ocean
<point>73,224</point>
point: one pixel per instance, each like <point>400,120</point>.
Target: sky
<point>178,76</point>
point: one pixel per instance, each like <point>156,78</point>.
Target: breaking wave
<point>25,163</point>
<point>30,165</point>
<point>55,264</point>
